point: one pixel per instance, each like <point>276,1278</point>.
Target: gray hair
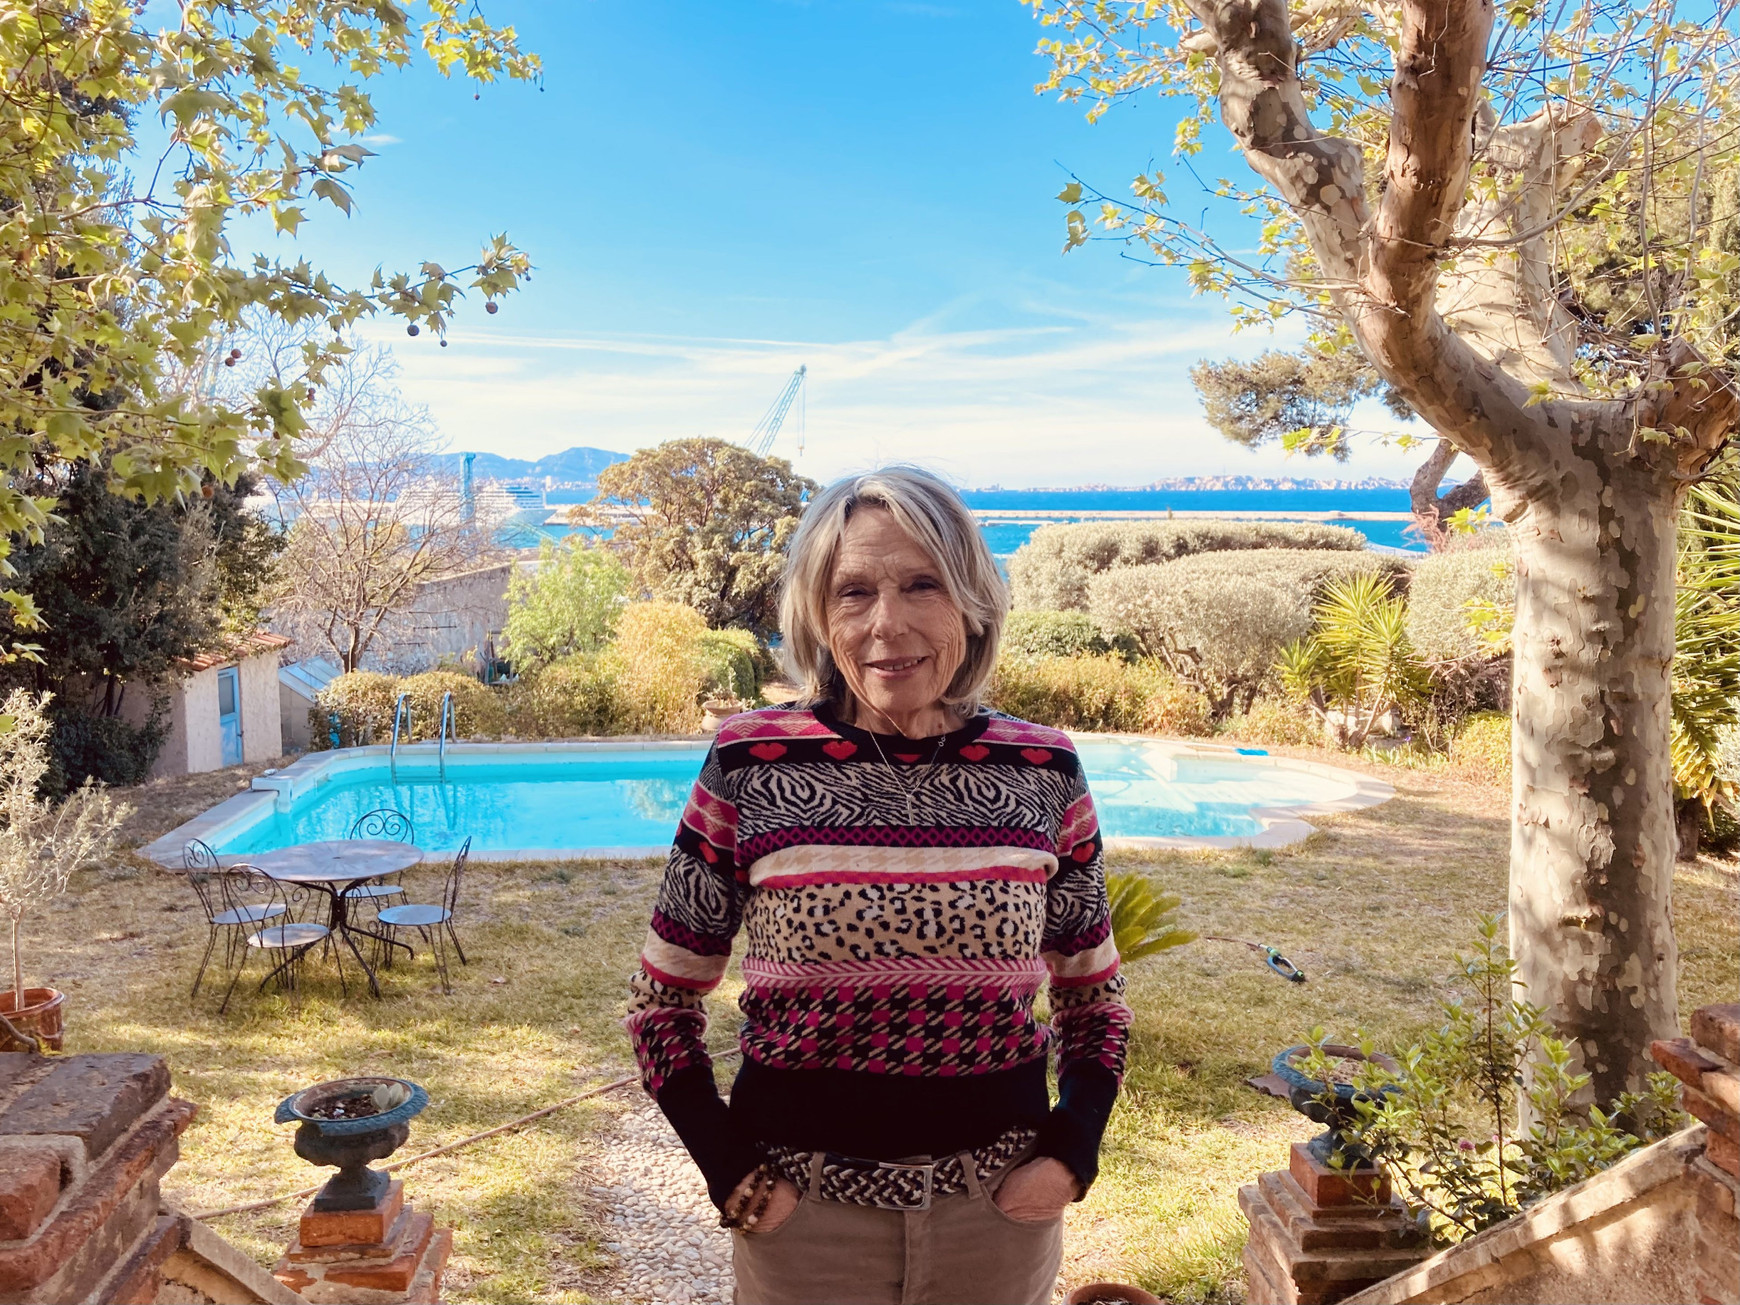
<point>939,522</point>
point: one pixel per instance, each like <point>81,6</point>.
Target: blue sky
<point>715,193</point>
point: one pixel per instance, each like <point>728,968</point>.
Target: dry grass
<point>1372,908</point>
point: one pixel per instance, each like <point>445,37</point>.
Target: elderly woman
<point>907,868</point>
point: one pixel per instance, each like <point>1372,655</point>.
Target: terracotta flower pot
<point>1091,1292</point>
<point>40,1017</point>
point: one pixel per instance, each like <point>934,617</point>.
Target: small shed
<point>223,710</point>
<point>299,684</point>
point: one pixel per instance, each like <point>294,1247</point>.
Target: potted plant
<point>41,844</point>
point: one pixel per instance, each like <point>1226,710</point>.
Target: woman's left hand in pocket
<point>1038,1191</point>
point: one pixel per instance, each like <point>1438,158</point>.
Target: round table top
<point>337,861</point>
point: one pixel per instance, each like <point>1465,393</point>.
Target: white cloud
<point>1068,400</point>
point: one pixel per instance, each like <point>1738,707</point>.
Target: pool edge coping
<point>1281,826</point>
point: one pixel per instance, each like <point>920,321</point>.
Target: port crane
<point>762,437</point>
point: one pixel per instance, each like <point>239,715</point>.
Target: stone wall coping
<point>1661,1162</point>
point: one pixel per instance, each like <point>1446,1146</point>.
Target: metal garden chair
<point>434,923</point>
<point>286,937</point>
<point>395,827</point>
<point>230,912</point>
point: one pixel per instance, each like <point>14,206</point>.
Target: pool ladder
<point>449,728</point>
<point>401,711</point>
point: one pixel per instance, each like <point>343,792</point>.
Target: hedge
<point>1052,569</point>
<point>1481,748</point>
<point>1098,693</point>
<point>1442,589</point>
<point>1053,634</point>
<point>1222,619</point>
<point>360,703</point>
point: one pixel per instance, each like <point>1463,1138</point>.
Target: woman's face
<point>894,632</point>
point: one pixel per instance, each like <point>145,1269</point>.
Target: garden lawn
<point>1372,907</point>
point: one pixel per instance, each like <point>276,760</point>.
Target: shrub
<point>85,746</point>
<point>1220,620</point>
<point>569,604</point>
<point>1143,922</point>
<point>1277,720</point>
<point>1053,634</point>
<point>478,712</point>
<point>1052,569</point>
<point>1098,693</point>
<point>361,703</point>
<point>731,664</point>
<point>1450,591</point>
<point>575,696</point>
<point>1358,664</point>
<point>1445,1126</point>
<point>1481,748</point>
<point>659,672</point>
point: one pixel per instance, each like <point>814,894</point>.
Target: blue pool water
<point>609,798</point>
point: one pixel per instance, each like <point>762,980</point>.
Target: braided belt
<point>894,1184</point>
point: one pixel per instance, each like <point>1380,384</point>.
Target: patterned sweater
<point>900,918</point>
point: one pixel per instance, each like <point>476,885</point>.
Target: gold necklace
<point>912,790</point>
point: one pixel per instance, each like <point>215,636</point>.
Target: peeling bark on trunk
<point>1592,835</point>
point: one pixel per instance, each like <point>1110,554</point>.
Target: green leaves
<point>114,287</point>
<point>1142,920</point>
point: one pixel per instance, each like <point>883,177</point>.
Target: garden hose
<point>1271,957</point>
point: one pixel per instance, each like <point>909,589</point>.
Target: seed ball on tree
<point>492,308</point>
<point>412,329</point>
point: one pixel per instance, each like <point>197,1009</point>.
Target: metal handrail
<point>401,708</point>
<point>447,724</point>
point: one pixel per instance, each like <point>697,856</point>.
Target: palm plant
<point>1359,662</point>
<point>1142,921</point>
<point>1706,668</point>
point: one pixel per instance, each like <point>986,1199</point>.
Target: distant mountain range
<point>575,468</point>
<point>1197,483</point>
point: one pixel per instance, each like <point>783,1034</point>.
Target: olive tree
<point>127,153</point>
<point>1442,180</point>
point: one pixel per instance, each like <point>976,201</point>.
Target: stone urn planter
<point>38,1019</point>
<point>347,1122</point>
<point>1110,1293</point>
<point>716,711</point>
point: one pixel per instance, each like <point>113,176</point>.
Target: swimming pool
<point>551,801</point>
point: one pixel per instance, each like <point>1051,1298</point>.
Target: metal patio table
<point>336,867</point>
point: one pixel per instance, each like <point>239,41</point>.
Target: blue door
<point>230,714</point>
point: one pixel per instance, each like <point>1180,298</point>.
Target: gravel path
<point>664,1231</point>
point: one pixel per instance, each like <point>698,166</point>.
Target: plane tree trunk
<point>1589,485</point>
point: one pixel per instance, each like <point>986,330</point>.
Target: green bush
<point>1220,620</point>
<point>569,604</point>
<point>83,745</point>
<point>478,711</point>
<point>1275,720</point>
<point>1098,693</point>
<point>1358,664</point>
<point>1481,748</point>
<point>575,696</point>
<point>1447,588</point>
<point>361,703</point>
<point>1034,633</point>
<point>1052,569</point>
<point>730,662</point>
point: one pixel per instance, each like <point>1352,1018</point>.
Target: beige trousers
<point>961,1251</point>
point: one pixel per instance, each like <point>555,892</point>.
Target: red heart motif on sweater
<point>1038,756</point>
<point>839,749</point>
<point>708,854</point>
<point>907,757</point>
<point>768,751</point>
<point>975,752</point>
<point>1084,851</point>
